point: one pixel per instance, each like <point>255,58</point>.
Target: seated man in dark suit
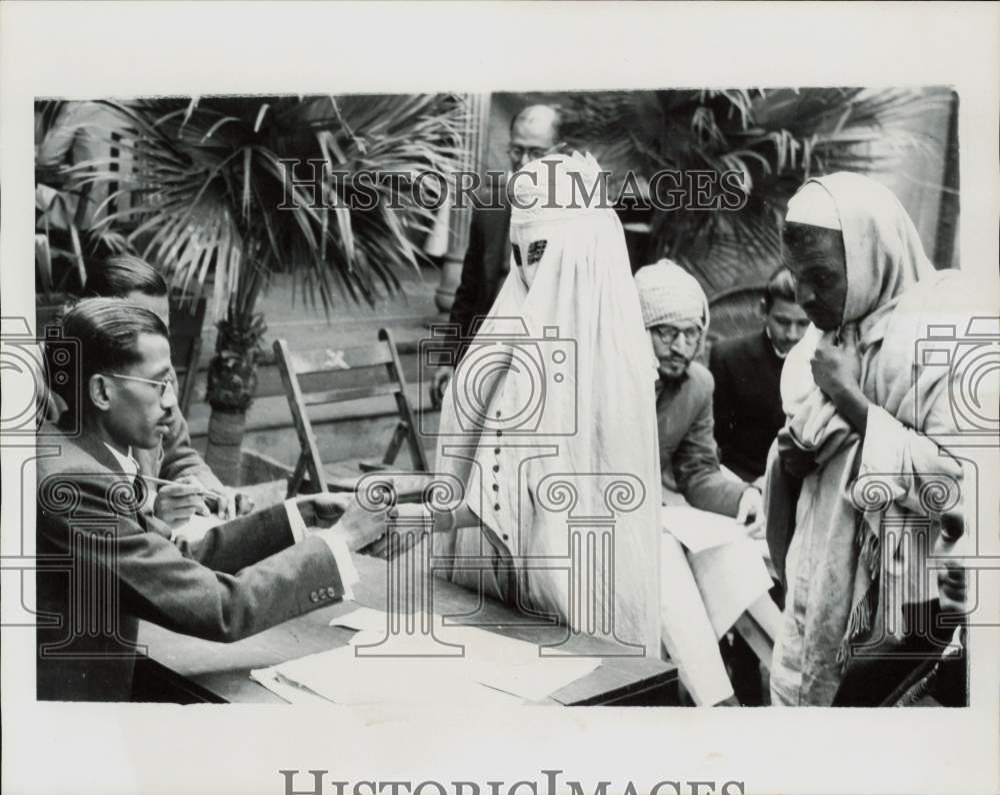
<point>134,279</point>
<point>747,373</point>
<point>534,133</point>
<point>103,565</point>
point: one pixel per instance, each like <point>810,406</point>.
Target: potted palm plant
<point>222,194</point>
<point>67,237</point>
<point>773,139</point>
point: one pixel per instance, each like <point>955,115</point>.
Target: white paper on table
<point>340,676</point>
<point>285,690</point>
<point>492,668</point>
<point>538,679</point>
<point>362,618</point>
<point>699,530</point>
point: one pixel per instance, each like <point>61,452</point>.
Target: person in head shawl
<point>862,413</point>
<point>550,415</point>
<point>702,593</point>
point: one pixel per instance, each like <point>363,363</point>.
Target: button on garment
<point>579,325</point>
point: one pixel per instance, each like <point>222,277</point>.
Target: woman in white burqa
<point>550,414</point>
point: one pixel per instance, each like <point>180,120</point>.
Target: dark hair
<point>122,274</point>
<point>102,335</point>
<point>780,287</point>
<point>557,120</point>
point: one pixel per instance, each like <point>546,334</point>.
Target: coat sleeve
<point>180,458</point>
<point>724,416</point>
<point>696,467</point>
<point>241,542</point>
<point>179,588</point>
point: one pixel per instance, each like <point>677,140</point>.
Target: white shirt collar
<point>128,464</point>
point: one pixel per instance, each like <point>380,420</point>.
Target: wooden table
<point>181,668</point>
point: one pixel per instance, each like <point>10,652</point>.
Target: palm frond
<point>774,140</point>
<point>208,193</point>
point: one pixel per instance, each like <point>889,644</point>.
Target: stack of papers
<point>699,530</point>
<point>460,665</point>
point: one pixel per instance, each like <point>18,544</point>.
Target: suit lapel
<point>99,451</point>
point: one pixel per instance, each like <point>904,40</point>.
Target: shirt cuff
<point>338,548</point>
<point>295,521</point>
<point>342,557</point>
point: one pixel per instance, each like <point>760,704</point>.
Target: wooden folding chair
<point>306,376</point>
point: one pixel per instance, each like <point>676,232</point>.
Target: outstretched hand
<point>344,516</point>
<point>751,511</point>
<point>177,502</point>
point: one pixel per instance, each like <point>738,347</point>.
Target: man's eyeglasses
<point>164,385</point>
<point>534,153</point>
<point>667,334</point>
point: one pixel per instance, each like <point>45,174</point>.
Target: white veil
<point>554,402</point>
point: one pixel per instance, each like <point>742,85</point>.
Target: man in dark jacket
<point>747,373</point>
<point>534,133</point>
<point>174,459</point>
<point>104,565</point>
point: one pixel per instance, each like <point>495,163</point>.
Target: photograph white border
<point>87,50</point>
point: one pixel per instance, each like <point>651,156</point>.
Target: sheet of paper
<point>699,530</point>
<point>362,618</point>
<point>342,677</point>
<point>538,679</point>
<point>285,690</point>
<point>484,668</point>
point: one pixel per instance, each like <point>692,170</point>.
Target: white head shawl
<point>883,256</point>
<point>893,298</point>
<point>554,396</point>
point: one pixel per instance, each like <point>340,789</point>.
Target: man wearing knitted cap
<point>675,311</point>
<point>704,593</point>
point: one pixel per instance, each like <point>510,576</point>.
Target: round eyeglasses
<point>667,334</point>
<point>533,152</point>
<point>164,385</point>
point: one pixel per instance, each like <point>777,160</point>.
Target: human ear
<point>97,389</point>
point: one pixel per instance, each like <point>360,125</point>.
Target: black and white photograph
<point>360,411</point>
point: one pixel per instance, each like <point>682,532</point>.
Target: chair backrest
<point>310,377</point>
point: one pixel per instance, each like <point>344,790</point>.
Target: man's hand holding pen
<point>177,501</point>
